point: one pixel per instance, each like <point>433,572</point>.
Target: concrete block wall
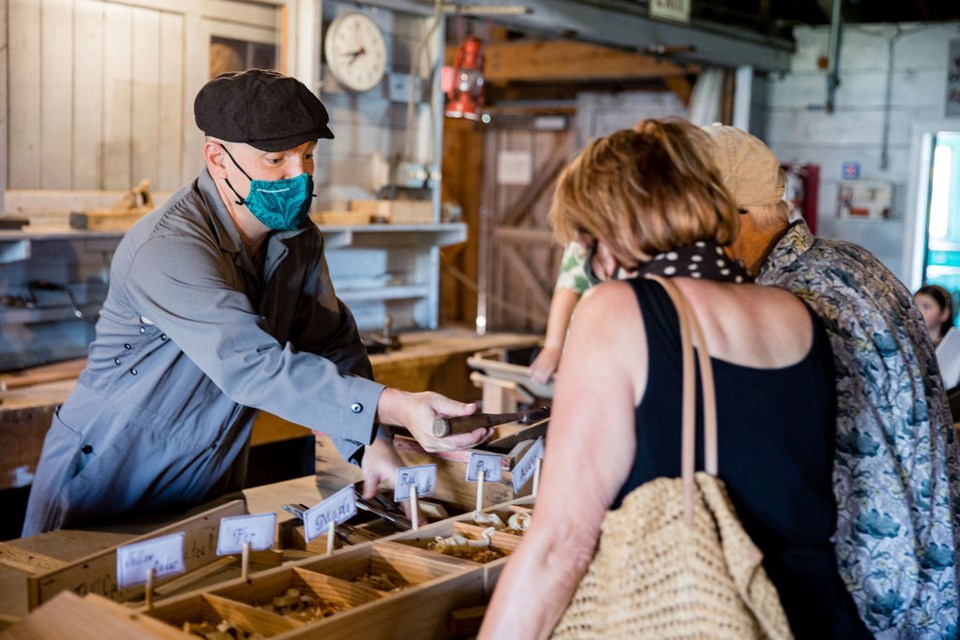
<point>796,126</point>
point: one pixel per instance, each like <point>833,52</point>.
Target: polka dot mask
<point>703,259</point>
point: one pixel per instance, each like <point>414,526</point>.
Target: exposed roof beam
<point>624,24</point>
<point>566,61</point>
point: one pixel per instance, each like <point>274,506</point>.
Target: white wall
<point>797,128</point>
<point>101,92</point>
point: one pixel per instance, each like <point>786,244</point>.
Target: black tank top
<point>776,434</point>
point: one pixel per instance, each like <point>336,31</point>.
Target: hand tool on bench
<point>462,424</point>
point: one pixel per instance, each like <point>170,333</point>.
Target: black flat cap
<point>265,109</point>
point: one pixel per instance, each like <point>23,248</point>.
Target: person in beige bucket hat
<point>896,468</point>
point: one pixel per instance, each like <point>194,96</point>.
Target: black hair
<point>944,300</point>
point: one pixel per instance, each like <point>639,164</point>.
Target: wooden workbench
<point>429,360</point>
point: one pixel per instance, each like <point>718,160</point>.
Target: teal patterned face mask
<point>279,204</point>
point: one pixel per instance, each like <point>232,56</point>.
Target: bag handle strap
<point>689,323</point>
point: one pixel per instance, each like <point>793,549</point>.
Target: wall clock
<point>356,51</point>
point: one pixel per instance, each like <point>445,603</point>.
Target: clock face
<point>356,52</point>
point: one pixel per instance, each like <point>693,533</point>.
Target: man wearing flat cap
<point>896,474</point>
<point>220,304</point>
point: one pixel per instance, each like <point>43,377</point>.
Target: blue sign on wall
<point>851,170</point>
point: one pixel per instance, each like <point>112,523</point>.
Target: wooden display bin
<point>452,486</point>
<point>443,598</point>
<point>261,590</point>
<point>501,542</point>
<point>404,566</point>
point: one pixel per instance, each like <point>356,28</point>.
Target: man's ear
<point>215,157</point>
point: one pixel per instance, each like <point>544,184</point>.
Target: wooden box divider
<point>206,607</point>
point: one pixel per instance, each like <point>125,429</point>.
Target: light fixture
<point>464,84</point>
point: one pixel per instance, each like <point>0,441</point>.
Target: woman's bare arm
<point>591,450</point>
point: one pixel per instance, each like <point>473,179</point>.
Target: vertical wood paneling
<point>56,93</point>
<point>4,104</point>
<point>24,155</point>
<point>196,65</point>
<point>117,100</point>
<point>87,159</point>
<point>145,120</point>
<point>171,102</point>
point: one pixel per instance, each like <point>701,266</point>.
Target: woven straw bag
<point>674,561</point>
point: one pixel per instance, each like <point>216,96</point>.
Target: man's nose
<point>294,167</point>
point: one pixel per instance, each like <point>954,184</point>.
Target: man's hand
<point>379,465</point>
<point>417,411</point>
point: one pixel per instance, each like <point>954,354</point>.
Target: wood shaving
<point>460,546</point>
<point>382,581</point>
<point>221,631</point>
<point>304,607</point>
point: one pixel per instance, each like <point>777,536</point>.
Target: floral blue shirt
<point>896,468</point>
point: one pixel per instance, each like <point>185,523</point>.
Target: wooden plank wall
<point>98,96</point>
<point>796,127</point>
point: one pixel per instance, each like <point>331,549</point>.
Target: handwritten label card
<point>488,463</point>
<point>525,469</point>
<point>258,529</point>
<point>423,477</point>
<point>163,555</point>
<point>337,509</point>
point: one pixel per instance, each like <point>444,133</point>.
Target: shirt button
<point>127,345</point>
<point>87,449</point>
<point>133,371</point>
<point>356,407</point>
<point>116,361</point>
<point>143,329</point>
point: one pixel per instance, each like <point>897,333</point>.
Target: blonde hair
<point>643,192</point>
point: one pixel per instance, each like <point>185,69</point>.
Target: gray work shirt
<point>192,340</point>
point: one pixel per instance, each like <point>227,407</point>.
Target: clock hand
<point>354,55</point>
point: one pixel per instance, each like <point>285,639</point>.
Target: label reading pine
<point>488,463</point>
<point>527,465</point>
<point>423,477</point>
<point>163,555</point>
<point>337,509</point>
<point>257,529</point>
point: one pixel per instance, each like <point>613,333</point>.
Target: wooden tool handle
<point>462,424</point>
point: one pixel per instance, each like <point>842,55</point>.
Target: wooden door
<point>518,256</point>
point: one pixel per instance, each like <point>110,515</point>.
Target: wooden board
<point>70,616</point>
<point>97,573</point>
<point>105,219</point>
<point>66,370</point>
<point>395,211</point>
<point>341,217</point>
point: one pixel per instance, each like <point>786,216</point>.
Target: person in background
<point>936,307</point>
<point>572,282</point>
<point>617,408</point>
<point>220,304</point>
<point>896,471</point>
